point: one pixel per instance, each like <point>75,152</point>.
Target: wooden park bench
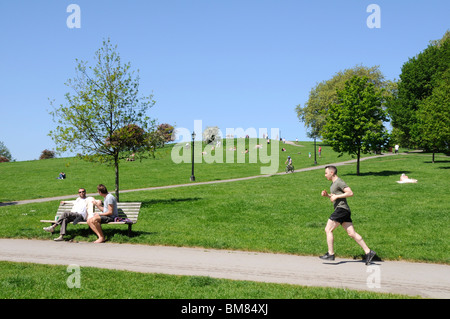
<point>127,210</point>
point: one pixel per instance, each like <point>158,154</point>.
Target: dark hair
<point>102,189</point>
<point>332,168</point>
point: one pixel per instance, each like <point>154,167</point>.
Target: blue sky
<point>229,63</point>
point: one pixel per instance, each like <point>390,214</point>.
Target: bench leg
<point>129,230</point>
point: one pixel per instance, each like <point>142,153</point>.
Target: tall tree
<point>434,118</point>
<point>104,118</point>
<point>419,76</point>
<point>314,113</point>
<point>355,122</point>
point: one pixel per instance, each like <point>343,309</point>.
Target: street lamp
<point>315,160</point>
<point>192,176</point>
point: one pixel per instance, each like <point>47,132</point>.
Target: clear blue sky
<point>229,63</point>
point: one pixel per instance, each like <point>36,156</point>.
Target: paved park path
<point>415,279</point>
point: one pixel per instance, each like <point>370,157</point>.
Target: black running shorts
<point>341,215</point>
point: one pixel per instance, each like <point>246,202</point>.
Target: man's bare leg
<point>95,225</point>
<point>357,237</point>
<point>329,228</point>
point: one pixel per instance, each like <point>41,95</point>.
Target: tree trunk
<point>116,167</point>
<point>357,161</point>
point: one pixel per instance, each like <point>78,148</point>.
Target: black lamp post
<point>315,160</point>
<point>192,176</point>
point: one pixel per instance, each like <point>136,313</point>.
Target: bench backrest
<point>128,210</point>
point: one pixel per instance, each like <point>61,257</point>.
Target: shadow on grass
<point>148,203</point>
<point>84,233</point>
<point>382,173</point>
<point>8,203</point>
<point>438,162</point>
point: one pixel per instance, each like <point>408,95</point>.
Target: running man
<point>339,191</point>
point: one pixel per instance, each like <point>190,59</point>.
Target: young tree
<point>104,119</point>
<point>355,122</point>
<point>314,113</point>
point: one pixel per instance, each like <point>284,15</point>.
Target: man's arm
<point>347,193</point>
<point>102,208</point>
<point>110,211</point>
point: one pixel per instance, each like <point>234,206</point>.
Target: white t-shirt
<point>79,206</point>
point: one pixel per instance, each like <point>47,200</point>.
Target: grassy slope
<point>284,213</point>
<point>37,179</point>
<point>279,214</point>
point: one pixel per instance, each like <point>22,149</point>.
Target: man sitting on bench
<point>108,212</point>
<point>81,207</point>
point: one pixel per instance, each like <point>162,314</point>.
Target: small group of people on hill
<point>83,210</point>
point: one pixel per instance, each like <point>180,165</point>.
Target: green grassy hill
<point>38,179</point>
<point>282,213</point>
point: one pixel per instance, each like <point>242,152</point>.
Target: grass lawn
<point>23,281</point>
<point>283,213</point>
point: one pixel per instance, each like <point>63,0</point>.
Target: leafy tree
<point>355,122</point>
<point>418,78</point>
<point>104,119</point>
<point>211,134</point>
<point>5,155</point>
<point>314,114</point>
<point>46,154</point>
<point>434,117</point>
<point>167,132</point>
